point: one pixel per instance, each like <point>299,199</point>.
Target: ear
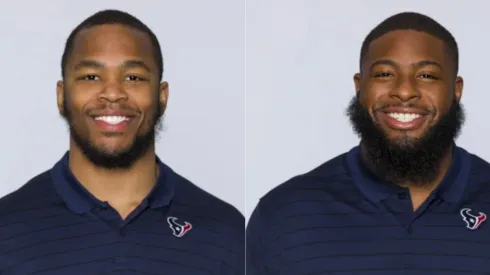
<point>60,97</point>
<point>458,88</point>
<point>163,96</point>
<point>357,82</point>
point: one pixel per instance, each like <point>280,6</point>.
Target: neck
<point>123,189</point>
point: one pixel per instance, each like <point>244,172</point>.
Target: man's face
<point>111,96</point>
<point>407,109</point>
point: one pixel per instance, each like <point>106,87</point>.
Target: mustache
<point>381,106</point>
<point>111,106</point>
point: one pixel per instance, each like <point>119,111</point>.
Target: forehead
<point>112,43</point>
<point>408,47</point>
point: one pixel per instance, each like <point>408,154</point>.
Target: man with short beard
<point>407,199</point>
<point>110,205</point>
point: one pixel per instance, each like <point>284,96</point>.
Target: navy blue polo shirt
<point>340,219</point>
<point>53,226</point>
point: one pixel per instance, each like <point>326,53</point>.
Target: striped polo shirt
<point>340,219</point>
<point>53,226</point>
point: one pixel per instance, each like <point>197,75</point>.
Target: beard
<point>110,159</point>
<point>406,159</point>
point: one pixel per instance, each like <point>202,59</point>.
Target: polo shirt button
<point>104,206</point>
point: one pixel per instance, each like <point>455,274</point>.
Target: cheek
<point>371,90</point>
<point>149,103</point>
<point>438,101</point>
<point>146,106</point>
<point>72,110</point>
<point>442,109</point>
<point>368,99</point>
<point>149,108</point>
<point>77,97</point>
<point>364,96</point>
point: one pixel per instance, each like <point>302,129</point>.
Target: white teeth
<point>112,119</point>
<point>404,117</point>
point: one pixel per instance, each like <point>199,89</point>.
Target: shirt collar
<point>80,201</point>
<point>450,189</point>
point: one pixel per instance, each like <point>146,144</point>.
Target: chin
<point>394,135</point>
<point>402,138</point>
<point>112,139</point>
<point>402,143</point>
<point>406,140</point>
<point>112,148</point>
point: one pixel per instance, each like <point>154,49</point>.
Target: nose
<point>405,90</point>
<point>112,92</point>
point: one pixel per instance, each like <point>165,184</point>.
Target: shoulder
<point>36,193</point>
<point>23,209</point>
<point>207,207</point>
<point>479,173</point>
<point>300,196</point>
<point>326,180</point>
<point>479,166</point>
<point>294,202</point>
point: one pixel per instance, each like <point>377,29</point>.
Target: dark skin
<point>413,68</point>
<point>113,67</point>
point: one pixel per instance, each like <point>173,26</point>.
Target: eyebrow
<point>128,64</point>
<point>419,64</point>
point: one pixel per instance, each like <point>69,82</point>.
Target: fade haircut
<point>412,21</point>
<point>113,17</point>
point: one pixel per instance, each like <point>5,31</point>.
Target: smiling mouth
<point>112,120</point>
<point>404,117</point>
<point>113,124</point>
<point>404,121</point>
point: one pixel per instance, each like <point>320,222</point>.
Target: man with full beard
<point>110,205</point>
<point>407,199</point>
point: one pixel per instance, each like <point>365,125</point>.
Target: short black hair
<point>113,17</point>
<point>412,21</point>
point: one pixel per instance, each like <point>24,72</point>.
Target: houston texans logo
<point>178,230</point>
<point>472,221</point>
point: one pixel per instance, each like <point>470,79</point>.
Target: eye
<point>384,74</point>
<point>428,76</point>
<point>134,78</point>
<point>90,77</point>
